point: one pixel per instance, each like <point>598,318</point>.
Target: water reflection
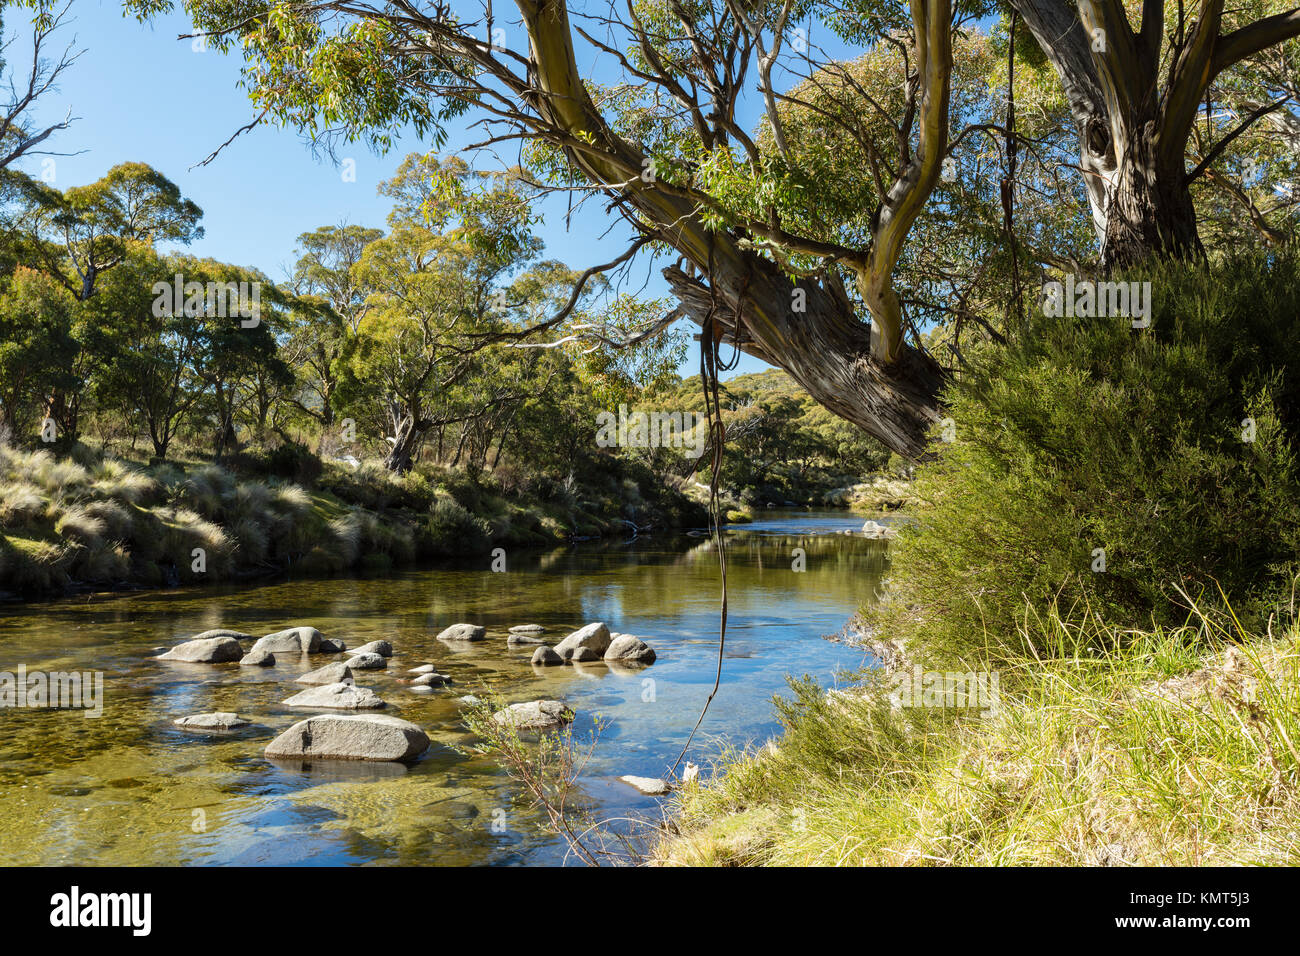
<point>132,788</point>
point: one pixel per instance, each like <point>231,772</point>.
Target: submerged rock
<point>217,721</point>
<point>463,632</point>
<point>628,649</point>
<point>293,640</point>
<point>592,640</point>
<point>350,737</point>
<point>382,648</point>
<point>650,786</point>
<point>335,673</point>
<point>367,662</point>
<point>525,637</point>
<point>337,697</point>
<point>205,650</point>
<point>546,657</point>
<point>534,715</point>
<point>257,659</point>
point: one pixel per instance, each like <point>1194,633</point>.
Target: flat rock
<point>207,650</point>
<point>534,715</point>
<point>546,657</point>
<point>338,696</point>
<point>526,637</point>
<point>650,786</point>
<point>350,737</point>
<point>367,662</point>
<point>463,632</point>
<point>527,629</point>
<point>217,721</point>
<point>222,632</point>
<point>469,700</point>
<point>330,646</point>
<point>293,640</point>
<point>382,648</point>
<point>257,659</point>
<point>423,669</point>
<point>594,638</point>
<point>336,673</point>
<point>431,680</point>
<point>628,649</point>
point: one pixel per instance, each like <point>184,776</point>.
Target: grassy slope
<point>1158,754</point>
<point>109,522</point>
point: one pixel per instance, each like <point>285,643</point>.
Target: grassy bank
<point>1177,748</point>
<point>90,521</point>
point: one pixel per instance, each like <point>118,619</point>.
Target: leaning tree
<point>664,126</point>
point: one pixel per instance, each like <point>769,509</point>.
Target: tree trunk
<point>825,348</point>
<point>405,445</point>
<point>1151,211</point>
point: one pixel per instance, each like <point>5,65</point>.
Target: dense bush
<point>1086,435</point>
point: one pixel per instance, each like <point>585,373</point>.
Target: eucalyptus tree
<point>666,141</point>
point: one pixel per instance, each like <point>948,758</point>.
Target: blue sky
<point>140,94</point>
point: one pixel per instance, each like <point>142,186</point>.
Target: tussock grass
<point>1177,746</point>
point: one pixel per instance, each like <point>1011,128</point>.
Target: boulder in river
<point>463,632</point>
<point>257,659</point>
<point>546,657</point>
<point>382,648</point>
<point>206,650</point>
<point>338,696</point>
<point>350,737</point>
<point>423,669</point>
<point>534,715</point>
<point>367,662</point>
<point>217,721</point>
<point>629,650</point>
<point>527,629</point>
<point>431,680</point>
<point>594,638</point>
<point>335,673</point>
<point>329,645</point>
<point>293,640</point>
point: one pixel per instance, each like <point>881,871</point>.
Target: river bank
<point>1153,754</point>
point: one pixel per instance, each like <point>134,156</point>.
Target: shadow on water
<point>131,788</point>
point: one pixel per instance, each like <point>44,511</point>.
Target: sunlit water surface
<point>131,788</point>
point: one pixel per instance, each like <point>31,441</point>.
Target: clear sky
<point>139,94</point>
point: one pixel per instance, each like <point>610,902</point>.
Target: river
<point>130,788</point>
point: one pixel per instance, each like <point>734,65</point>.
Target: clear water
<point>130,788</point>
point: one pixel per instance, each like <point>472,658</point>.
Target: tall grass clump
<point>1099,465</point>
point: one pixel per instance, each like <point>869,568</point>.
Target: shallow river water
<point>130,788</point>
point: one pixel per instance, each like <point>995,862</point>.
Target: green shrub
<point>1086,436</point>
